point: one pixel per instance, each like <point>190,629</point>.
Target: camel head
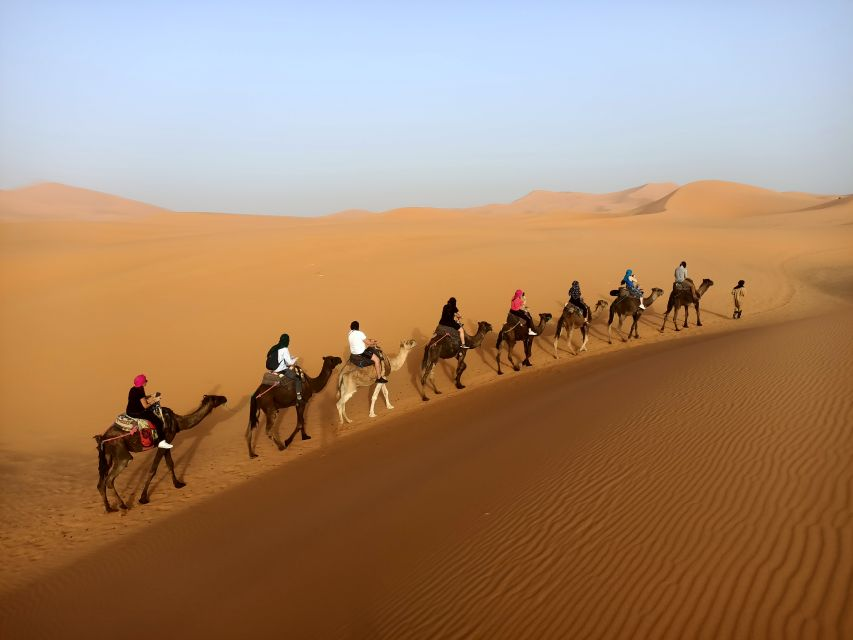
<point>601,304</point>
<point>214,400</point>
<point>331,361</point>
<point>707,282</point>
<point>408,345</point>
<point>484,326</point>
<point>545,317</point>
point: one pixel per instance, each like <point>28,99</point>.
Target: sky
<point>308,108</point>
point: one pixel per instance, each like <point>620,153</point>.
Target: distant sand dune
<point>52,201</point>
<point>731,200</point>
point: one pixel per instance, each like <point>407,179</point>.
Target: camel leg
<point>428,373</point>
<point>272,429</point>
<point>346,394</point>
<point>557,335</point>
<point>300,425</point>
<point>698,319</point>
<point>152,471</point>
<point>119,463</point>
<point>528,351</point>
<point>171,464</point>
<point>569,335</point>
<point>459,369</point>
<point>686,313</point>
<point>102,483</point>
<point>634,327</point>
<point>509,347</point>
<point>385,395</point>
<point>622,335</point>
<point>432,379</point>
<point>585,338</point>
<point>249,433</point>
<point>665,318</point>
<point>373,397</point>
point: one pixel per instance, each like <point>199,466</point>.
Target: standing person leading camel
<point>363,350</point>
<point>738,294</point>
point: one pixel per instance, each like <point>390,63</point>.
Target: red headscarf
<point>517,301</point>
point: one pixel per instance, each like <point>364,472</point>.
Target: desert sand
<point>680,485</point>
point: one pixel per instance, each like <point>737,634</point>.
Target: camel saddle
<point>443,332</point>
<point>683,286</point>
<point>274,379</point>
<point>146,430</point>
<point>513,321</point>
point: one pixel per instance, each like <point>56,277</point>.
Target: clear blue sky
<point>312,107</point>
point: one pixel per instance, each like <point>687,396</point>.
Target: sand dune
<point>618,202</point>
<point>731,200</point>
<point>52,201</point>
<point>194,301</point>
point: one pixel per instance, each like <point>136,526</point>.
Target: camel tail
<point>253,411</point>
<point>103,465</point>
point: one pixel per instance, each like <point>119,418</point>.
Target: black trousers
<point>154,419</point>
<point>524,315</point>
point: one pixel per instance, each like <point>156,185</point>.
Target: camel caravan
<point>147,425</point>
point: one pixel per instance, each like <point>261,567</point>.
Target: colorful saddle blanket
<point>146,430</point>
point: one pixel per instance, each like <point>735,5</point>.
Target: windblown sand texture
<point>692,484</point>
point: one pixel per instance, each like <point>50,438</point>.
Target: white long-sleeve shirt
<point>284,359</point>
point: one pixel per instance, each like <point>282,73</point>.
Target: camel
<point>515,330</point>
<point>626,305</point>
<point>572,317</point>
<point>352,377</point>
<point>115,448</point>
<point>682,298</point>
<point>270,399</point>
<point>442,347</point>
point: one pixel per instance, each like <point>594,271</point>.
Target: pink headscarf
<point>517,301</point>
<point>140,380</point>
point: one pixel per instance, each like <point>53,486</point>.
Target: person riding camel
<point>140,405</point>
<point>363,350</point>
<point>451,318</point>
<point>682,280</point>
<point>285,364</point>
<point>576,299</point>
<point>632,284</point>
<point>518,307</point>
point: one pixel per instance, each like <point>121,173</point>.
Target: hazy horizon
<point>271,108</point>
